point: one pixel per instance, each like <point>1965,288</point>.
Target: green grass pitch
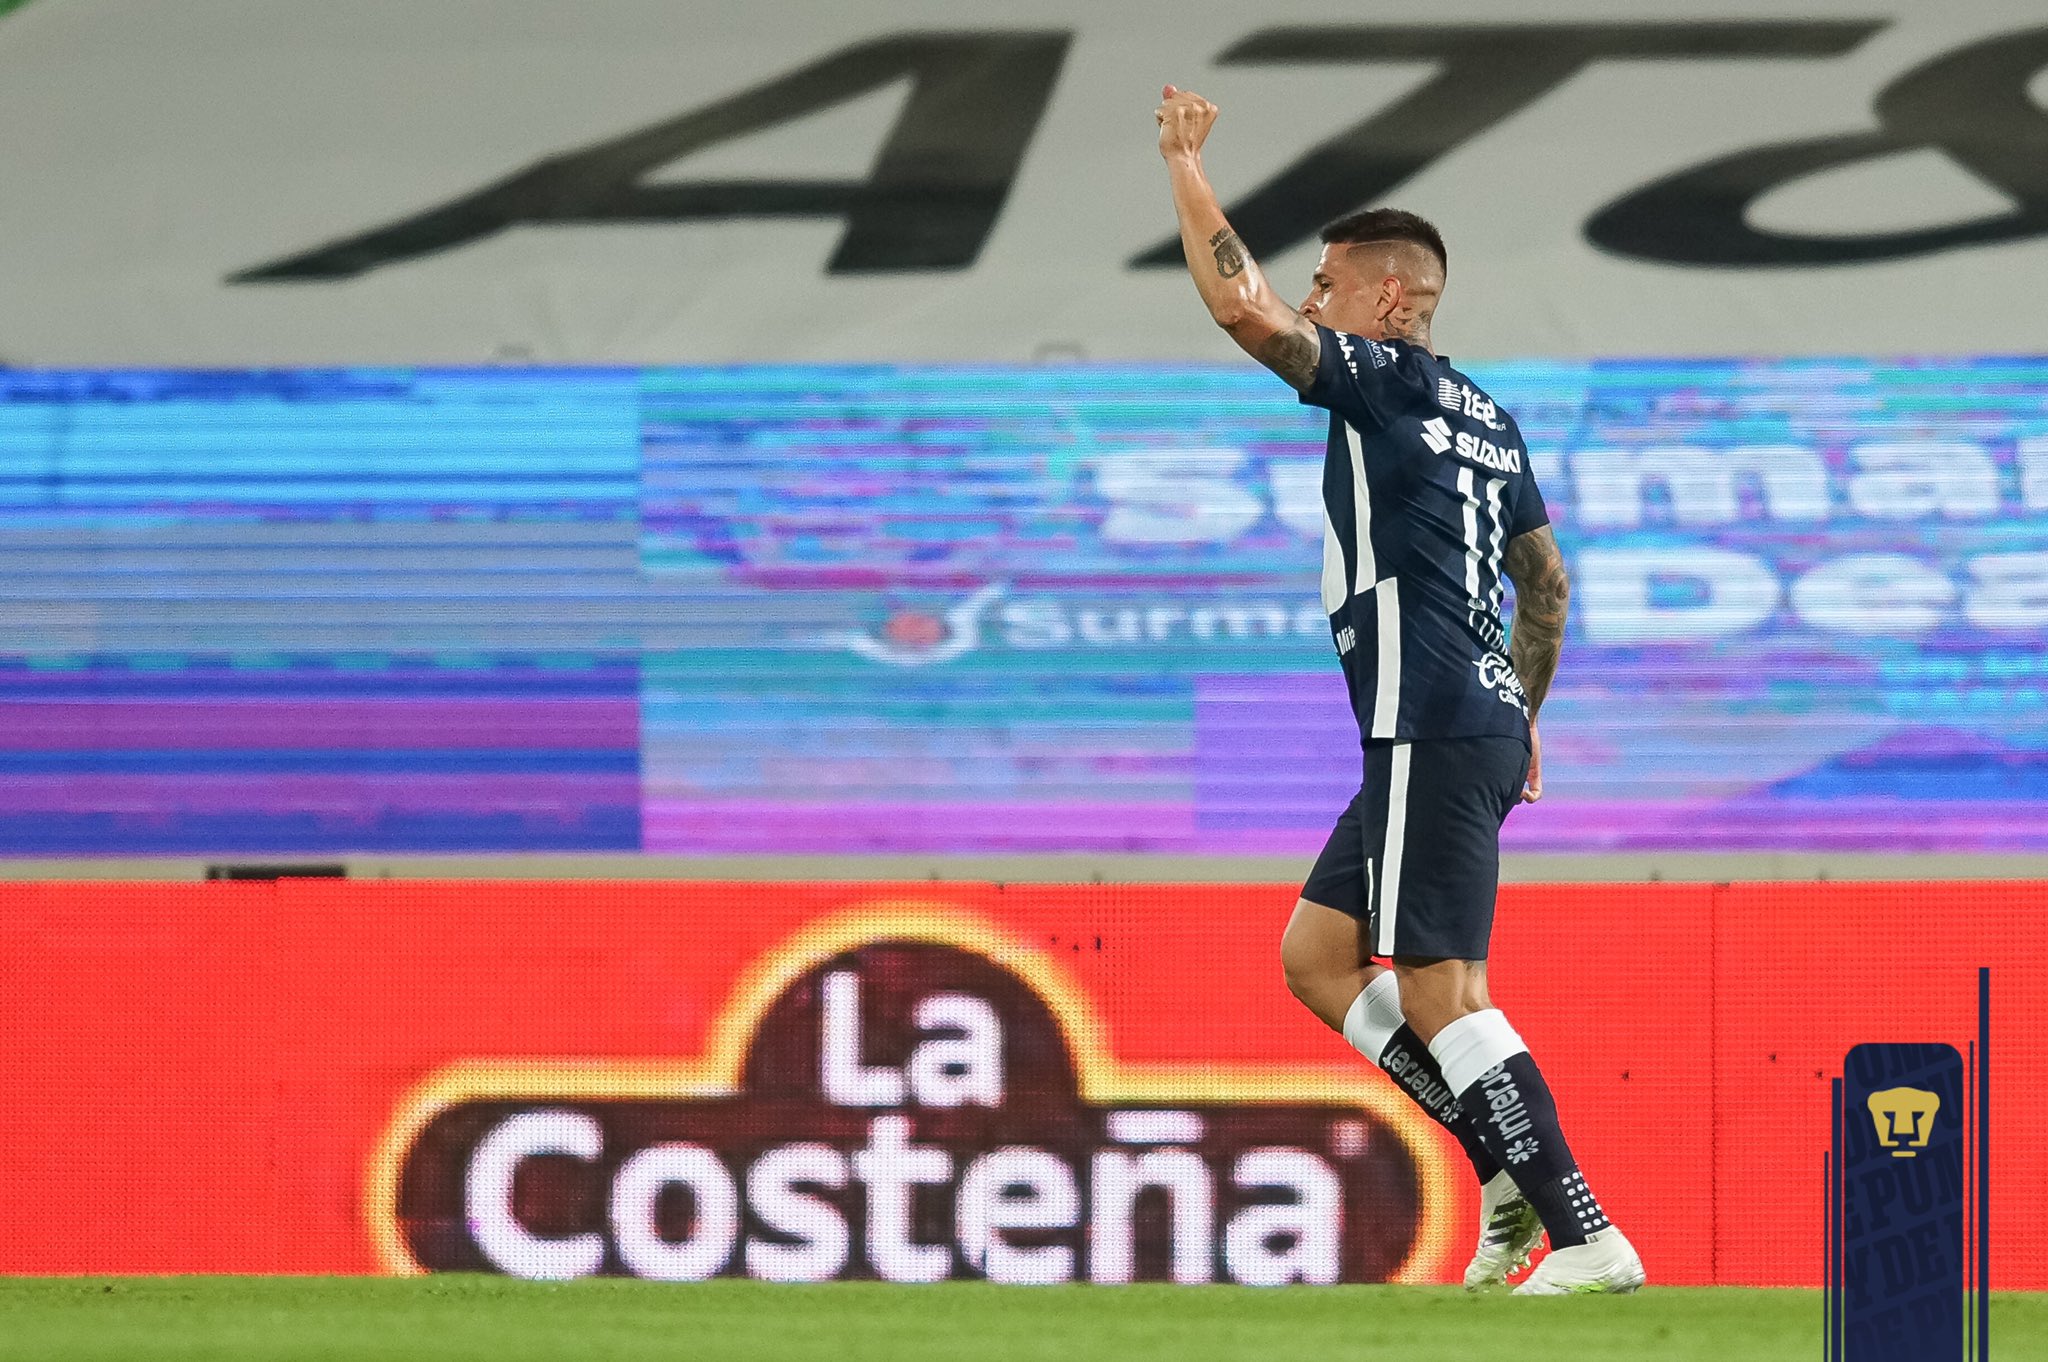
<point>491,1319</point>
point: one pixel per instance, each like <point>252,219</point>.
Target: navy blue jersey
<point>1425,481</point>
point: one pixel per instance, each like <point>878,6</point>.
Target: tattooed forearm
<point>1229,253</point>
<point>1232,286</point>
<point>1542,596</point>
<point>1292,354</point>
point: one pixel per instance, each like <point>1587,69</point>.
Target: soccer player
<point>1429,507</point>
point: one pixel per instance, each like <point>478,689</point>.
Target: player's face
<point>1342,298</point>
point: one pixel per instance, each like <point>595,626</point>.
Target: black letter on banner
<point>930,202</point>
<point>1971,103</point>
<point>1489,72</point>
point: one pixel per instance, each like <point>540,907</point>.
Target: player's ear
<point>1389,300</point>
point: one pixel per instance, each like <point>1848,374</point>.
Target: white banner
<point>231,182</point>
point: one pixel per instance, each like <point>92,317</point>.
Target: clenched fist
<point>1184,122</point>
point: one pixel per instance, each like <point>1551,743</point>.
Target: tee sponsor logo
<point>910,1095</point>
<point>1467,400</point>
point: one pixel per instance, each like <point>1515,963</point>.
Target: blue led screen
<point>956,609</point>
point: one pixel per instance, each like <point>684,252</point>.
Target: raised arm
<point>1229,280</point>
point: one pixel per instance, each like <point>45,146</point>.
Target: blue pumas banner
<point>1897,1282</point>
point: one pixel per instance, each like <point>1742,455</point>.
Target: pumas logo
<point>1904,1118</point>
<point>911,1094</point>
<point>1466,400</point>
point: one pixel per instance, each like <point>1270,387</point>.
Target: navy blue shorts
<point>1416,857</point>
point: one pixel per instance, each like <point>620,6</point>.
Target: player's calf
<point>1375,1027</point>
<point>1505,1096</point>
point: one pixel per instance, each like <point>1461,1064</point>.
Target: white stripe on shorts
<point>1390,853</point>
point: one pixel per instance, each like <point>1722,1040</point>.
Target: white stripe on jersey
<point>1386,700</point>
<point>1471,534</point>
<point>1361,516</point>
<point>1397,833</point>
<point>1500,529</point>
<point>1334,594</point>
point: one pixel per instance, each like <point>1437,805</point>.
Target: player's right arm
<point>1543,593</point>
<point>1229,280</point>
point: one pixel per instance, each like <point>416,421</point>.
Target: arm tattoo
<point>1542,594</point>
<point>1229,253</point>
<point>1292,354</point>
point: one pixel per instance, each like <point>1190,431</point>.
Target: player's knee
<point>1302,972</point>
<point>1427,1016</point>
<point>1432,997</point>
<point>1314,981</point>
<point>1477,999</point>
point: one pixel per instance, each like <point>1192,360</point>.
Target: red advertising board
<point>1023,1082</point>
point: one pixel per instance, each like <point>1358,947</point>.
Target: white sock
<point>1472,1045</point>
<point>1374,1017</point>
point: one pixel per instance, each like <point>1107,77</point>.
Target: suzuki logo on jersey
<point>1500,458</point>
<point>1436,433</point>
<point>1466,400</point>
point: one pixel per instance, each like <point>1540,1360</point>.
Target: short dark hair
<point>1386,224</point>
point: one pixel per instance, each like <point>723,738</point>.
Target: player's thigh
<point>1439,874</point>
<point>1324,959</point>
<point>1325,934</point>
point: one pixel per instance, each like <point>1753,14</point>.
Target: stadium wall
<point>362,1077</point>
<point>625,181</point>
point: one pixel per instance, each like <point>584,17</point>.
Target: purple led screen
<point>779,609</point>
<point>1076,608</point>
